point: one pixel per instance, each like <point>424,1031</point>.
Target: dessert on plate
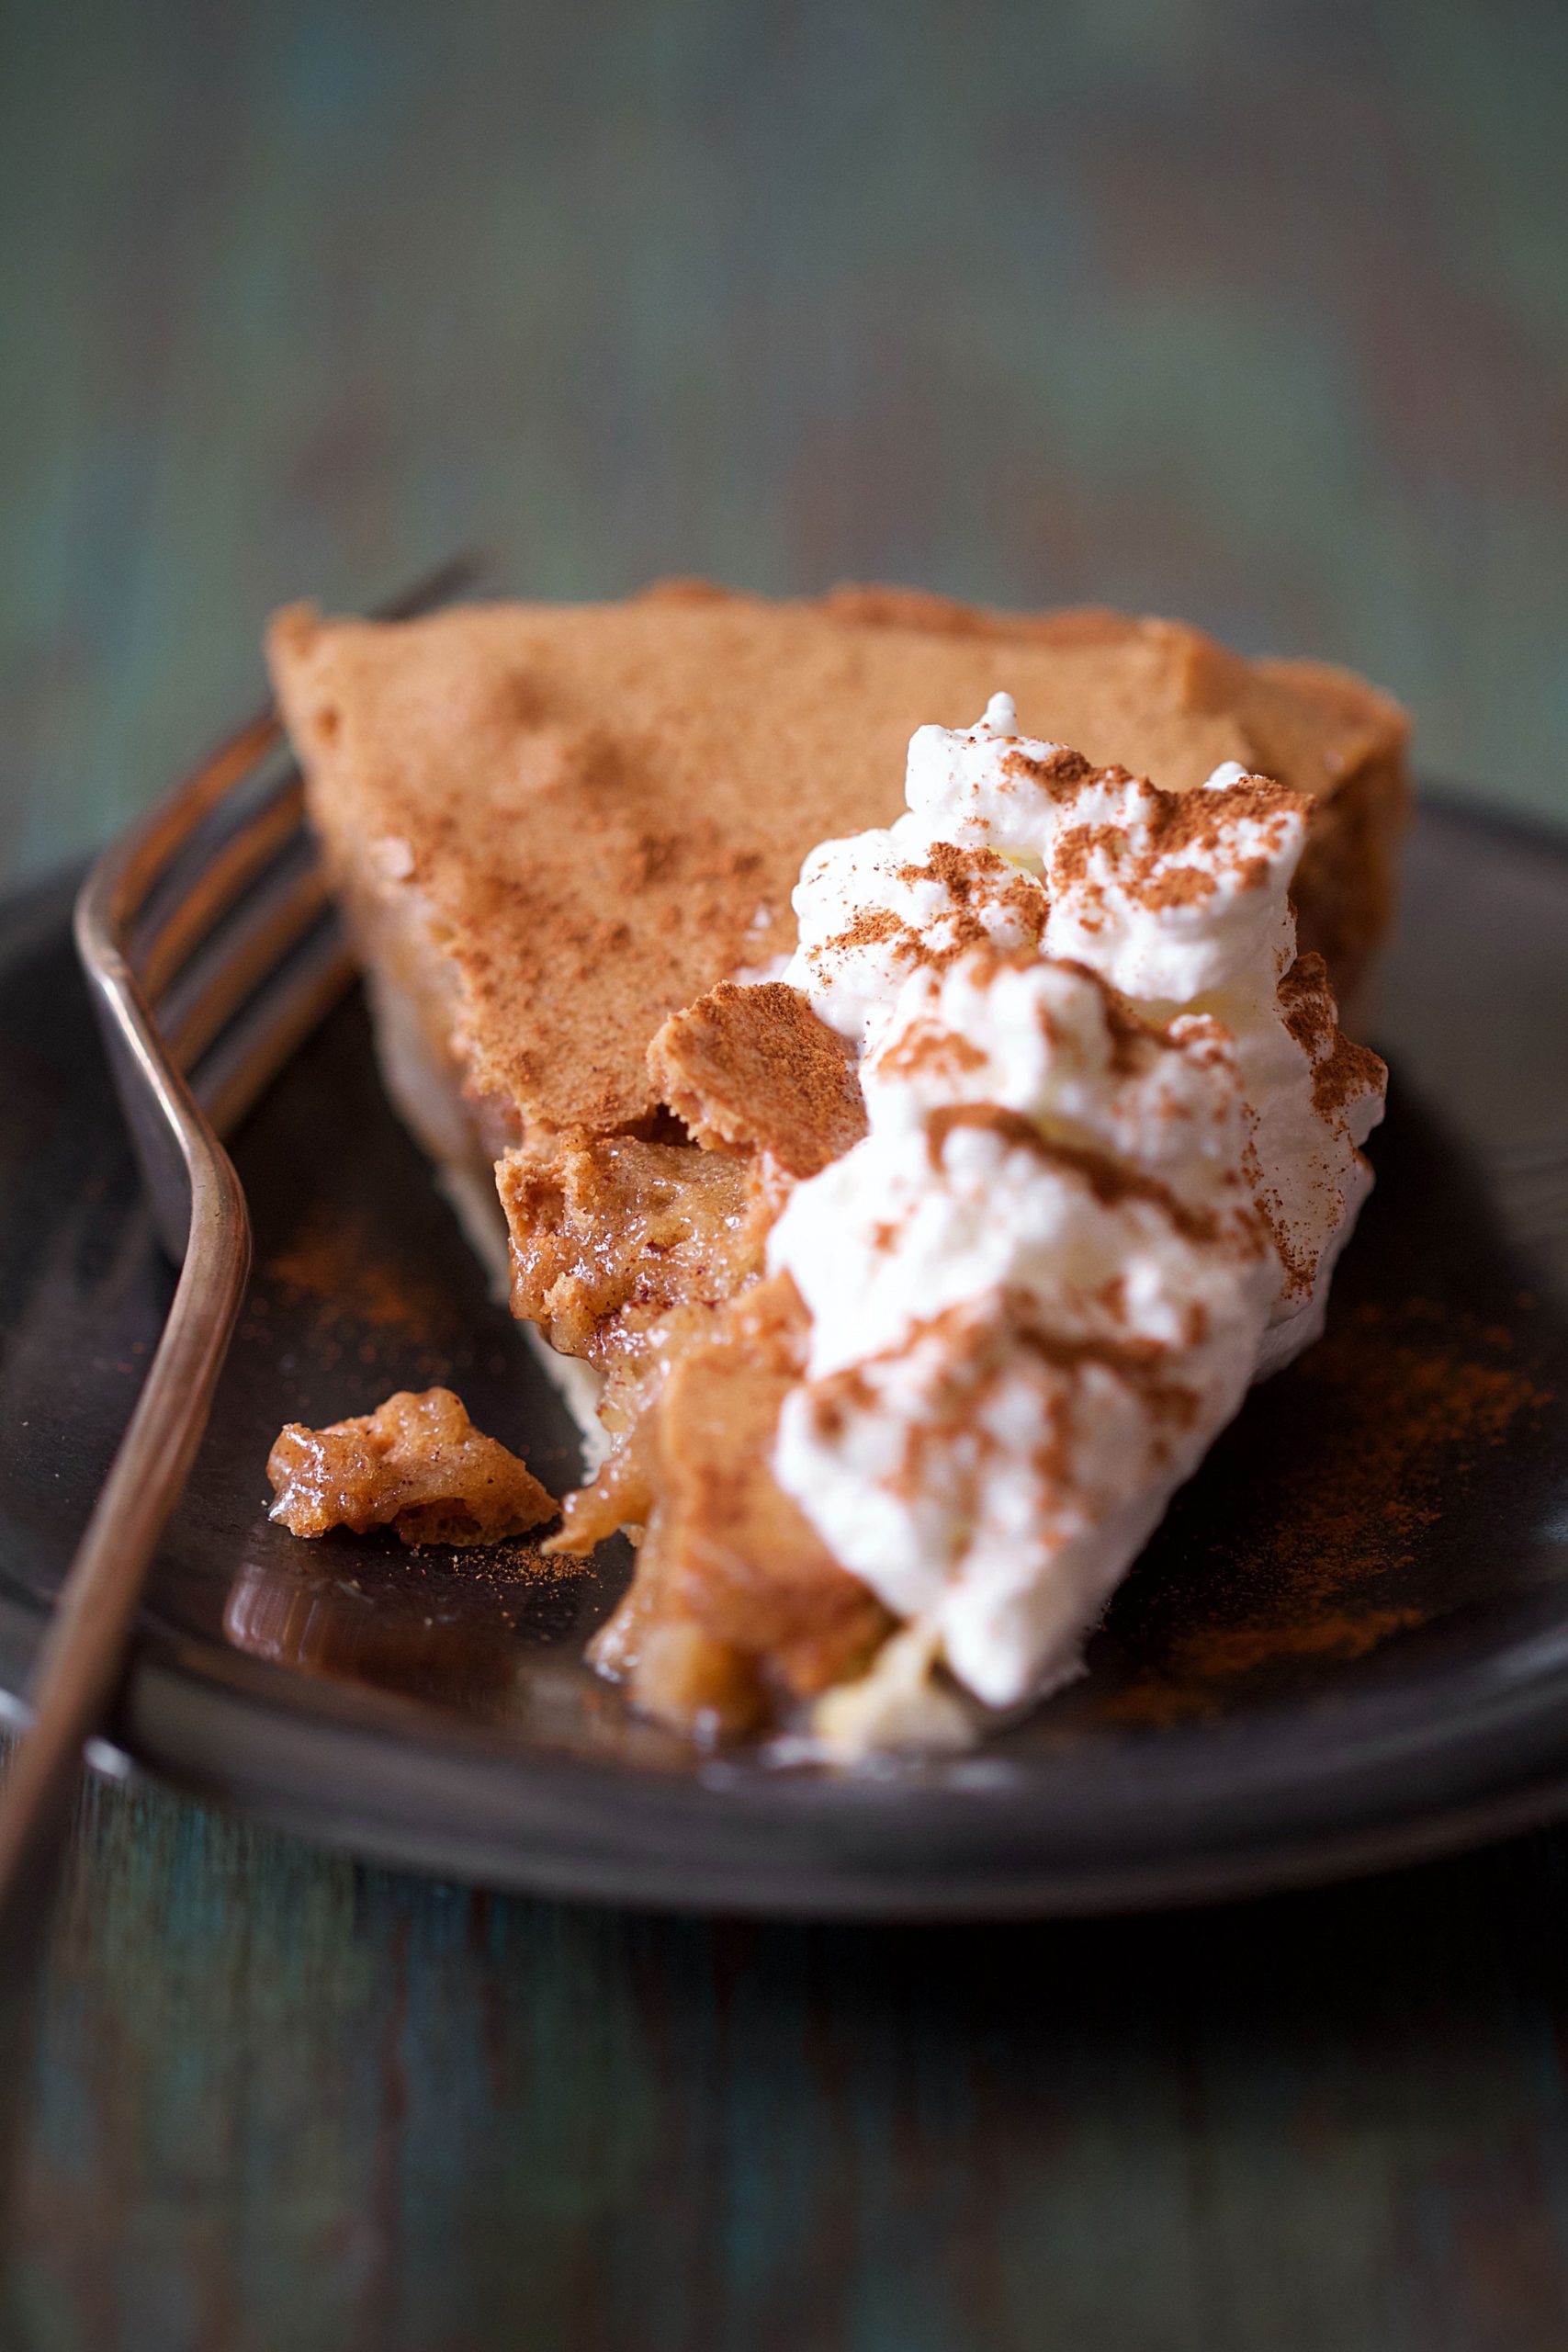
<point>905,1196</point>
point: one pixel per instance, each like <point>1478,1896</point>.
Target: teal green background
<point>1257,314</point>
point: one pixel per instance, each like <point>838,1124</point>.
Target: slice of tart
<point>568,840</point>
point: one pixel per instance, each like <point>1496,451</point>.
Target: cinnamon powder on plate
<point>1401,1401</point>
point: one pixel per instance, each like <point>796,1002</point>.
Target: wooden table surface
<point>1255,313</point>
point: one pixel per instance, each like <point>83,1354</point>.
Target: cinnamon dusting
<point>1110,1181</point>
<point>1402,1400</point>
<point>1343,1072</point>
<point>330,1264</point>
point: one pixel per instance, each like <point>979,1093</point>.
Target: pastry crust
<point>555,826</point>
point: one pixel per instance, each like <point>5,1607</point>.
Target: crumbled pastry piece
<point>416,1464</point>
<point>755,1069</point>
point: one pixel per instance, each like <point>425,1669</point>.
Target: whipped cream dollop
<point>1113,1151</point>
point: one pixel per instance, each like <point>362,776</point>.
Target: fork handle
<point>83,1653</point>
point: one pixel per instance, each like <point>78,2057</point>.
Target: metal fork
<point>211,951</point>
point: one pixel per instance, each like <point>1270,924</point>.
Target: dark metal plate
<point>1349,1643</point>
